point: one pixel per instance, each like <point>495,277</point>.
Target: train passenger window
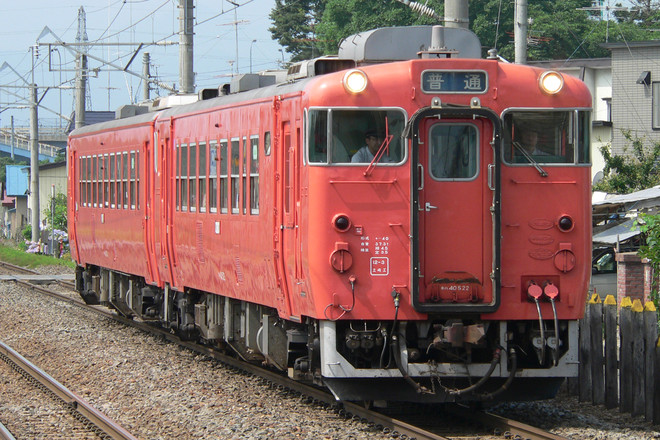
<point>184,177</point>
<point>112,181</point>
<point>118,183</point>
<point>192,177</point>
<point>82,173</point>
<point>254,175</point>
<point>202,176</point>
<point>106,181</point>
<point>545,137</point>
<point>124,162</point>
<point>177,184</point>
<point>224,162</point>
<point>335,136</point>
<point>94,177</point>
<point>99,182</point>
<point>133,180</point>
<point>137,179</point>
<point>235,167</point>
<point>213,176</point>
<point>453,151</point>
<point>244,174</point>
<point>89,181</point>
<point>267,143</point>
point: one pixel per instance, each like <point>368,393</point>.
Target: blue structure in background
<point>22,154</point>
<point>17,180</point>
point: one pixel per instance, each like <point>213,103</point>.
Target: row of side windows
<point>110,180</point>
<point>219,176</point>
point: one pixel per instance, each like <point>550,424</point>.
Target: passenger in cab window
<point>366,154</point>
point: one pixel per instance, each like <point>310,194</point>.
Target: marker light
<point>355,81</point>
<point>565,223</point>
<point>551,82</point>
<point>341,222</point>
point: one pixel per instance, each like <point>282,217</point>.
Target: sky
<point>124,21</point>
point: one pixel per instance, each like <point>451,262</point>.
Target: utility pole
<point>520,32</point>
<point>81,69</point>
<point>34,154</point>
<point>12,137</point>
<point>145,73</point>
<point>456,14</point>
<point>186,74</point>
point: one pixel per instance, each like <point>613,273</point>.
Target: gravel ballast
<point>157,390</point>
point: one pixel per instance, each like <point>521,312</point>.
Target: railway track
<point>93,420</point>
<point>395,427</point>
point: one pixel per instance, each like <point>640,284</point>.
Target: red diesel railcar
<point>390,224</point>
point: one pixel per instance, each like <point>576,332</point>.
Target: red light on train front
<point>551,82</point>
<point>355,81</point>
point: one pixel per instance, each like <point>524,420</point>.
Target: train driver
<point>528,141</point>
<point>366,154</point>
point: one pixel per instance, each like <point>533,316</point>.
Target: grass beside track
<point>12,254</point>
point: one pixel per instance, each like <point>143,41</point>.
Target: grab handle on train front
<point>420,170</point>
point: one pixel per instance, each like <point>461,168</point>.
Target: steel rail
<point>5,434</point>
<point>505,425</point>
<point>24,270</point>
<point>17,268</point>
<point>108,426</point>
<point>389,425</point>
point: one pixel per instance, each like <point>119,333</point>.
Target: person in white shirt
<point>367,153</point>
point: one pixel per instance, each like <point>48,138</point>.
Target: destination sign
<point>444,81</point>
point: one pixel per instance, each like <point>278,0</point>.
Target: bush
<point>27,232</point>
<point>650,227</point>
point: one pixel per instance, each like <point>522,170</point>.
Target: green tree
<point>294,23</point>
<point>650,227</point>
<point>59,213</point>
<point>643,13</point>
<point>636,169</point>
<point>558,29</point>
<point>342,18</point>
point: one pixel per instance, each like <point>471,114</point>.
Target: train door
<point>162,163</point>
<point>455,215</point>
<point>75,201</point>
<point>148,170</point>
<point>289,181</point>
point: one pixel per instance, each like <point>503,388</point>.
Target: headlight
<point>355,81</point>
<point>551,82</point>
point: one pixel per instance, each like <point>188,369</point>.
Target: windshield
<point>546,137</point>
<point>355,137</point>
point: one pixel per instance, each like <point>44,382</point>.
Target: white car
<point>603,272</point>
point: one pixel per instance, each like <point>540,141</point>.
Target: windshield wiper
<point>530,159</point>
<point>384,147</point>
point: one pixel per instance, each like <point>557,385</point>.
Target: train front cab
<point>497,251</point>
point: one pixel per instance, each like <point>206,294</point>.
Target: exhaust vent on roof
<point>405,43</point>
